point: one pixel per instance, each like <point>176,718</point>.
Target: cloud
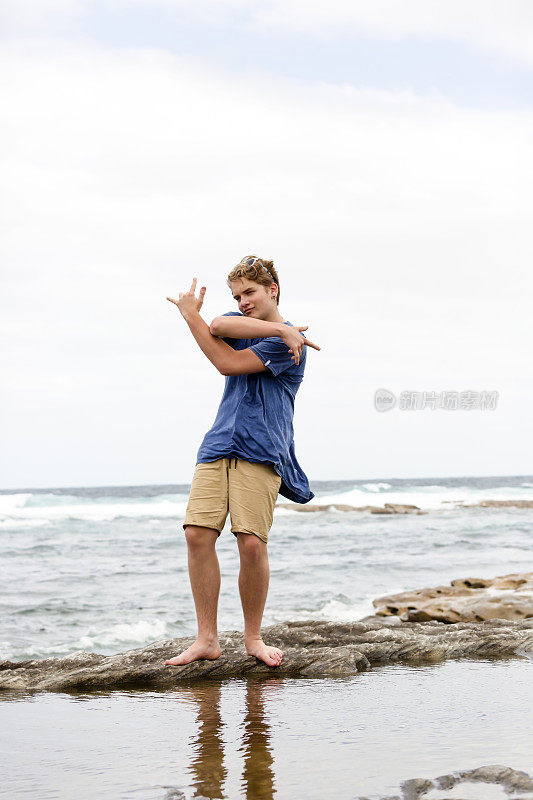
<point>492,25</point>
<point>399,226</point>
<point>22,14</point>
<point>156,147</point>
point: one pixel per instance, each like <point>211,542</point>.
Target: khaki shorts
<point>246,490</point>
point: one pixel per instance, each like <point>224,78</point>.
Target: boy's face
<point>254,299</point>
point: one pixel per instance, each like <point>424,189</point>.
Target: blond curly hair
<point>255,269</point>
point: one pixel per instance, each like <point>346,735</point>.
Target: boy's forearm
<point>244,327</point>
<point>217,351</point>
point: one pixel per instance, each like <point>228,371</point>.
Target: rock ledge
<point>464,600</point>
<point>311,649</point>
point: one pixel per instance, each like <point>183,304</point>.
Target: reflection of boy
<point>247,456</point>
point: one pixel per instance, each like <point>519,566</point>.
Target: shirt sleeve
<point>275,355</point>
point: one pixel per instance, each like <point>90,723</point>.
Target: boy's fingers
<point>295,357</point>
<point>193,285</point>
<point>311,344</point>
<point>172,301</point>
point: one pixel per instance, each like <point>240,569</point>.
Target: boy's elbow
<point>226,368</point>
<point>214,328</point>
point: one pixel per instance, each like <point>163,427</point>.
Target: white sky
<point>139,151</point>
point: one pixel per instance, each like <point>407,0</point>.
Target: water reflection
<point>261,737</point>
<point>207,765</point>
<point>258,776</point>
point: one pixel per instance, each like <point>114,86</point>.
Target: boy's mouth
<point>248,310</point>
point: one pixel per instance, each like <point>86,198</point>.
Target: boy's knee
<point>250,545</point>
<point>197,536</point>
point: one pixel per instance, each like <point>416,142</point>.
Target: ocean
<point>105,569</point>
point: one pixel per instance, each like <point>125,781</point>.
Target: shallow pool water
<point>279,737</point>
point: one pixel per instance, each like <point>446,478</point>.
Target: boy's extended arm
<point>245,327</point>
<point>218,352</point>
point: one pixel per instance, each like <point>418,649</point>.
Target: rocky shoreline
<point>471,618</point>
<point>403,508</point>
<point>311,649</point>
<point>464,600</point>
<point>388,508</point>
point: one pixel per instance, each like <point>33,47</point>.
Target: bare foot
<point>270,655</point>
<point>197,651</point>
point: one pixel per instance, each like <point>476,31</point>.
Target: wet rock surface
<point>311,649</point>
<point>513,783</point>
<point>464,600</point>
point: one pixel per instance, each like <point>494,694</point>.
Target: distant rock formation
<point>404,508</point>
<point>464,600</point>
<point>311,648</point>
<point>497,504</point>
<point>510,780</point>
<point>388,508</point>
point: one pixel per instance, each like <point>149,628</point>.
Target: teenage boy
<point>248,456</point>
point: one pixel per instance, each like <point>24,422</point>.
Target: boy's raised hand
<point>295,341</point>
<point>188,300</point>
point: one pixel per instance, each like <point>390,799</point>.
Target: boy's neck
<point>275,316</point>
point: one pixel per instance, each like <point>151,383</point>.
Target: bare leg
<point>204,574</point>
<point>253,587</point>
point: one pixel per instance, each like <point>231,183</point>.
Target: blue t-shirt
<point>254,419</point>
